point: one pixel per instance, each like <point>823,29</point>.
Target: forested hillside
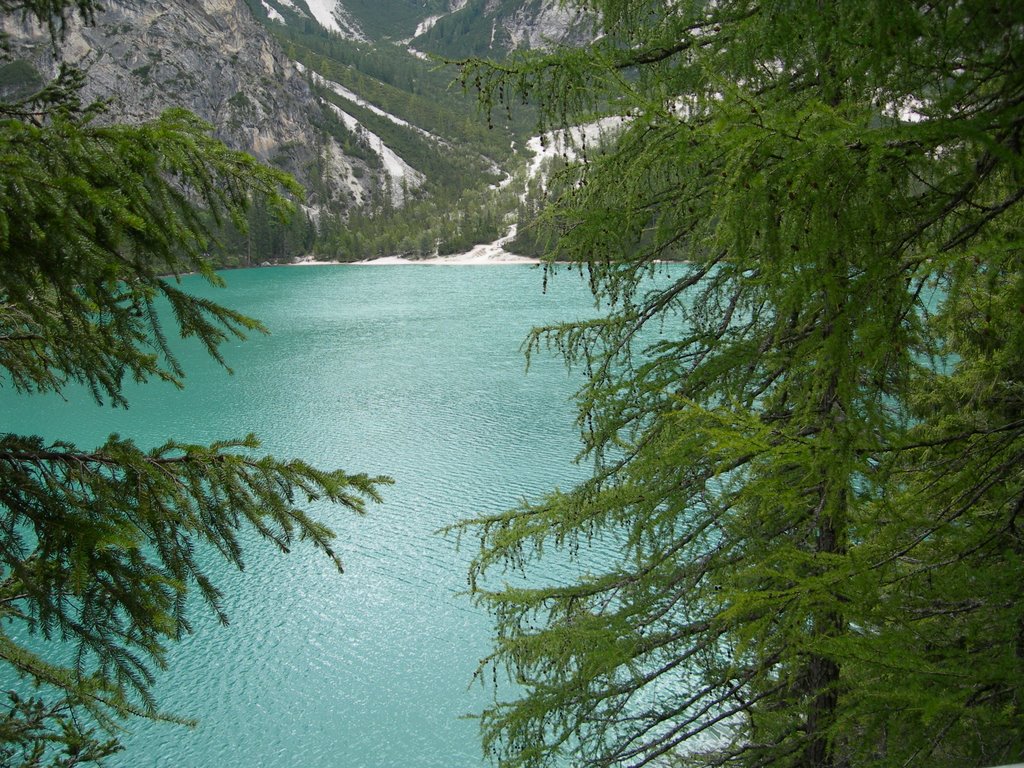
<point>436,129</point>
<point>393,158</point>
<point>414,105</point>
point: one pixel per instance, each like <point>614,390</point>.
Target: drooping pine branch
<point>101,547</point>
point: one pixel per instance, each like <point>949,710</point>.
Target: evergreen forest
<point>464,159</point>
<point>808,447</point>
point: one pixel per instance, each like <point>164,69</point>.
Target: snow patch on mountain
<point>480,255</point>
<point>272,12</point>
<point>358,100</point>
<point>401,175</point>
<point>425,25</point>
<point>569,144</point>
<point>422,28</point>
<point>322,11</point>
<point>332,16</point>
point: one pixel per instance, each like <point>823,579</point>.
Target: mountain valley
<point>352,98</point>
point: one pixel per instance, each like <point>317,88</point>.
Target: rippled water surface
<point>415,372</point>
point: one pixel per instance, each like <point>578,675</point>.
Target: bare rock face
<point>550,22</point>
<point>213,58</point>
<point>493,28</point>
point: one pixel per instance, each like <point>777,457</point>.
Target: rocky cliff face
<point>486,27</point>
<point>492,28</point>
<point>213,58</point>
<point>550,22</point>
<point>367,150</point>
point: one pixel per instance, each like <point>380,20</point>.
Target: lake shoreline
<point>455,260</point>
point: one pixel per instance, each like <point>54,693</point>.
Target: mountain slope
<point>360,20</point>
<point>492,28</point>
<point>327,91</point>
<point>213,58</point>
<point>443,27</point>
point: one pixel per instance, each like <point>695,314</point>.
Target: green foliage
<point>406,86</point>
<point>264,239</point>
<point>440,223</point>
<point>808,441</point>
<point>100,549</point>
<point>470,31</point>
<point>454,210</point>
<point>394,19</point>
<point>19,79</point>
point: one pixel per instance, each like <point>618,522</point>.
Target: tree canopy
<point>101,548</point>
<point>808,437</point>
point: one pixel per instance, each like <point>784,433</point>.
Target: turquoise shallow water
<point>414,372</point>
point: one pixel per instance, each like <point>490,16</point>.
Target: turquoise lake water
<point>411,371</point>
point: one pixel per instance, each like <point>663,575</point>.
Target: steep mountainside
<point>443,27</point>
<point>334,91</point>
<point>213,58</point>
<point>491,28</point>
<point>360,20</point>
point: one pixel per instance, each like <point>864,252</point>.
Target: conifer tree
<point>101,548</point>
<point>809,440</point>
